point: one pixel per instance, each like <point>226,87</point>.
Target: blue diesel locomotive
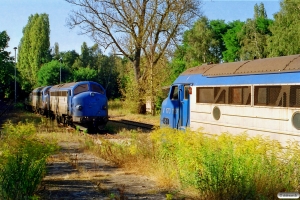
<point>83,103</point>
<point>257,96</point>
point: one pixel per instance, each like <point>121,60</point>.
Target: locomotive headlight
<point>79,107</point>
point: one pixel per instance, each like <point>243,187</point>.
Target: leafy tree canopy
<point>49,74</point>
<point>6,66</point>
<point>285,39</point>
<point>34,49</point>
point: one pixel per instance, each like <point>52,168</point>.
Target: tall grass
<point>218,167</point>
<point>118,108</point>
<point>22,161</point>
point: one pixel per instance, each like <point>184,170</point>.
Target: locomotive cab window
<point>81,88</point>
<point>174,93</point>
<point>186,92</point>
<point>96,88</point>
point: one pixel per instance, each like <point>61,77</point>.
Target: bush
<point>23,161</point>
<point>220,166</point>
<point>230,167</point>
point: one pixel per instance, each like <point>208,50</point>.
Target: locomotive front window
<point>97,88</point>
<point>81,88</point>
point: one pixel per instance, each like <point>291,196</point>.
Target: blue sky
<point>15,13</point>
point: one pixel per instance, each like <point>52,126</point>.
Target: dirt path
<point>73,174</point>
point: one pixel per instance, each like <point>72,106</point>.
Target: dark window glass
<point>174,93</point>
<point>268,95</point>
<point>261,95</point>
<point>236,95</point>
<point>97,88</point>
<point>81,88</point>
<point>295,96</point>
<point>186,92</point>
<point>240,95</point>
<point>205,95</point>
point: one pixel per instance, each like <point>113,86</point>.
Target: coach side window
<point>295,96</point>
<point>174,93</point>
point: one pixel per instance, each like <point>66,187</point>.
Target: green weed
<point>23,161</point>
<point>219,167</point>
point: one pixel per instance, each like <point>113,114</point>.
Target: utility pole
<point>60,70</point>
<point>15,48</point>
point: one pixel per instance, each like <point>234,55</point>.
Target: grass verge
<point>213,167</point>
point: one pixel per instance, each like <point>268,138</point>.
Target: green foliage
<point>254,35</point>
<point>85,74</point>
<point>230,167</point>
<point>201,44</point>
<point>69,58</point>
<point>34,49</point>
<point>231,41</point>
<point>219,166</point>
<point>6,66</point>
<point>285,39</point>
<point>49,74</point>
<point>23,161</point>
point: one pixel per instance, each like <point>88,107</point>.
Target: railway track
<point>5,106</point>
<point>134,124</point>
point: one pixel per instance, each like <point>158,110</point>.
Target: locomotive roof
<point>38,89</point>
<point>259,66</point>
<point>70,85</point>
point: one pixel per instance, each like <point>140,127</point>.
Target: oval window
<point>296,120</point>
<point>216,113</point>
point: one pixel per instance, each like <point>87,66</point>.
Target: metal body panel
<point>275,121</point>
<point>36,98</point>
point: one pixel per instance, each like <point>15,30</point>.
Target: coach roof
<point>258,66</point>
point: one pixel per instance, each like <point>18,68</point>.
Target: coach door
<point>184,106</point>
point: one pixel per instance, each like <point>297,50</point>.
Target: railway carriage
<point>257,96</point>
<point>82,102</point>
<point>39,99</point>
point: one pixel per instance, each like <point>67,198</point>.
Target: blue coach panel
<point>257,96</point>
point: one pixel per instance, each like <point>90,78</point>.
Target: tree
<point>6,66</point>
<point>69,58</point>
<point>202,43</point>
<point>85,74</point>
<point>134,28</point>
<point>254,35</point>
<point>231,41</point>
<point>285,39</point>
<point>33,49</point>
<point>56,53</point>
<point>49,74</point>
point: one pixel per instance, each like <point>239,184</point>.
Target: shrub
<point>23,161</point>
